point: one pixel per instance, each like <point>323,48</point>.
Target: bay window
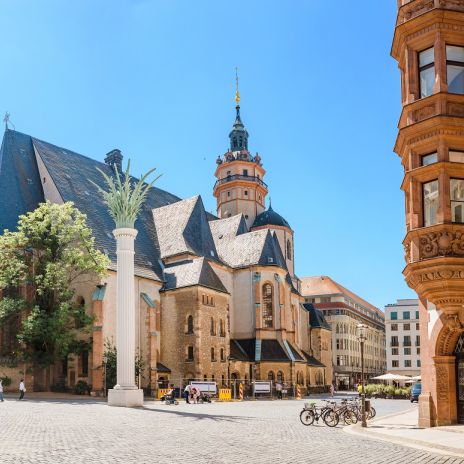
<point>456,156</point>
<point>455,69</point>
<point>426,72</point>
<point>430,202</point>
<point>429,159</point>
<point>457,200</point>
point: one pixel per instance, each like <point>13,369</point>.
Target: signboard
<point>262,387</point>
<point>205,387</point>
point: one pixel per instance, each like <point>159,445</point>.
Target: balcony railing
<point>240,177</point>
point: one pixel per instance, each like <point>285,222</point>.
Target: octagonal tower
<point>429,47</point>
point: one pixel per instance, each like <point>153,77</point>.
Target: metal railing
<point>240,177</point>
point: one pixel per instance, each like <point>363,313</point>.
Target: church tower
<point>239,187</point>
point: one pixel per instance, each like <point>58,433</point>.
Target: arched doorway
<point>459,353</point>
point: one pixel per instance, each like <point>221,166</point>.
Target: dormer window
<point>426,72</point>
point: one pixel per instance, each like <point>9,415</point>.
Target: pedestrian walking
<point>187,393</point>
<point>279,390</point>
<point>1,390</point>
<point>331,389</point>
<point>22,389</point>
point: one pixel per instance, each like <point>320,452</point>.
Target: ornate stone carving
<point>441,243</point>
<point>413,9</point>
<point>442,382</point>
<point>407,252</point>
<point>450,333</point>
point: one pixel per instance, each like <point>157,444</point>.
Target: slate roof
<point>316,317</point>
<point>20,186</point>
<point>312,361</point>
<point>296,355</point>
<point>270,218</point>
<point>194,272</point>
<point>271,350</point>
<point>162,368</point>
<point>238,353</point>
<point>183,228</point>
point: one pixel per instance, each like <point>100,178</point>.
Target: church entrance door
<point>459,353</point>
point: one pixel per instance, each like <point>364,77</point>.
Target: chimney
<point>114,158</point>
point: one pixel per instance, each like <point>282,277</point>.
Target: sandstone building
<point>428,44</point>
<point>218,297</point>
<point>343,311</point>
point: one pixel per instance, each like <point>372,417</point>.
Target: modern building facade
<point>217,297</point>
<point>403,337</point>
<point>428,44</point>
<point>344,310</point>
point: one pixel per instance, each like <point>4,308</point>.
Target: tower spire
<point>237,93</point>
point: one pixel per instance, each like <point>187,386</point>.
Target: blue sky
<point>320,99</point>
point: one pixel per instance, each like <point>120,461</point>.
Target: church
<point>217,297</point>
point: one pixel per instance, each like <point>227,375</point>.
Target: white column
<point>125,392</point>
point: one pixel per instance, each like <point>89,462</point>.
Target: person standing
<point>331,390</point>
<point>22,389</point>
<point>1,390</point>
<point>187,393</point>
<point>278,387</point>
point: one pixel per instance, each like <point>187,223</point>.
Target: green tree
<point>52,248</point>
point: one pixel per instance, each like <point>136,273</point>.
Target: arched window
<point>289,249</point>
<point>223,358</point>
<point>280,376</point>
<point>299,378</point>
<point>190,353</point>
<point>337,329</point>
<point>270,375</point>
<point>213,327</point>
<point>190,324</point>
<point>268,305</point>
<point>222,328</point>
<point>212,355</point>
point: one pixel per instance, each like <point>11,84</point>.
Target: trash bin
<point>367,405</point>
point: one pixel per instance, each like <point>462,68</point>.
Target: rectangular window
<point>426,72</point>
<point>418,364</point>
<point>456,156</point>
<point>430,202</point>
<point>407,340</point>
<point>190,353</point>
<point>325,299</point>
<point>394,351</point>
<point>394,327</point>
<point>245,172</point>
<point>406,315</point>
<point>407,351</point>
<point>417,326</point>
<point>457,200</point>
<point>418,350</point>
<point>394,316</point>
<point>407,363</point>
<point>406,326</point>
<point>417,340</point>
<point>429,159</point>
<point>417,314</point>
<point>394,341</point>
<point>455,69</point>
<point>395,363</point>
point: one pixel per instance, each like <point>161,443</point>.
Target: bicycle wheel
<point>372,412</point>
<point>307,417</point>
<point>331,418</point>
<point>349,417</point>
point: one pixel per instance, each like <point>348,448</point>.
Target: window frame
<point>423,202</point>
<point>453,202</point>
<point>425,68</point>
<point>453,63</point>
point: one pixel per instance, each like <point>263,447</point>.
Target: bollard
<point>240,392</point>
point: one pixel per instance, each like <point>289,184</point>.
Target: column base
<point>427,417</point>
<point>125,398</point>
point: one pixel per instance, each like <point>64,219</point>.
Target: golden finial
<point>237,93</point>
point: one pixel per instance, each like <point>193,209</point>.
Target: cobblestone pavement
<point>39,432</point>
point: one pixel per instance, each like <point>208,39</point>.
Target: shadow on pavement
<point>199,416</point>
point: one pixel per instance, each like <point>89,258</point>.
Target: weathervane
<point>6,119</point>
<point>237,94</point>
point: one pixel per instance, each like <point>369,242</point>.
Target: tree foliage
<point>51,250</point>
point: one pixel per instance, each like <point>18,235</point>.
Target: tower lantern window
<point>245,172</point>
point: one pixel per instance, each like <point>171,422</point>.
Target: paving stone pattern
<point>76,432</point>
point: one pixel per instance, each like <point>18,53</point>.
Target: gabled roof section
<point>189,273</point>
<point>271,252</point>
<point>316,317</point>
<point>20,186</point>
<point>71,173</point>
<point>312,361</point>
<point>183,228</point>
<point>227,229</point>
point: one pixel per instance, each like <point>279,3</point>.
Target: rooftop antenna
<point>6,119</point>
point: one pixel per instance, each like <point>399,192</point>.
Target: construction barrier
<point>240,392</point>
<point>225,394</point>
<point>162,392</point>
<point>298,392</point>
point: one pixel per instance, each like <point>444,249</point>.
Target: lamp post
<point>361,330</point>
<point>104,361</point>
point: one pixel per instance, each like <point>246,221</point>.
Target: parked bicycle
<point>327,413</point>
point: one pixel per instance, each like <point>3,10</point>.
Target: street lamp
<point>361,331</point>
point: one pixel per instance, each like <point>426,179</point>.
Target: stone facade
<point>428,44</point>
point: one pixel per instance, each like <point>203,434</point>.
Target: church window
<point>289,249</point>
<point>235,142</point>
<point>455,69</point>
<point>280,376</point>
<point>299,378</point>
<point>222,329</point>
<point>426,72</point>
<point>430,202</point>
<point>268,305</point>
<point>270,376</point>
<point>241,142</point>
<point>212,355</point>
<point>190,353</point>
<point>223,358</point>
<point>190,324</point>
<point>213,327</point>
<point>246,193</point>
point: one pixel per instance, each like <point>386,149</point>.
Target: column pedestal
<point>125,393</point>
